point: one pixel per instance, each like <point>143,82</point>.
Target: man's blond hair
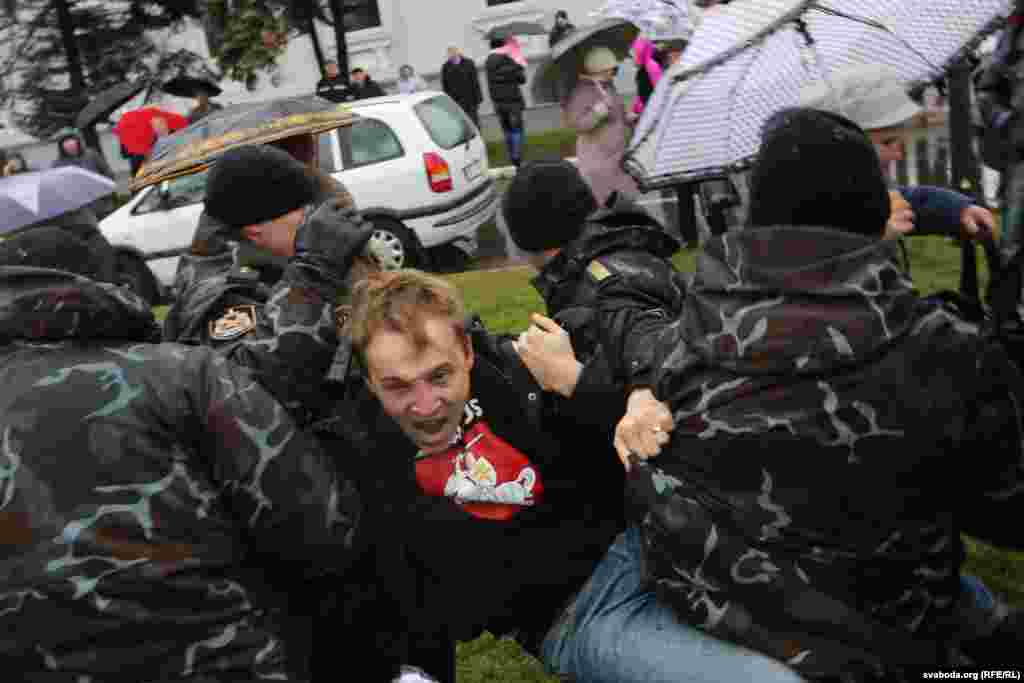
<point>401,301</point>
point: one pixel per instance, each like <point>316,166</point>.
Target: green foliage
<point>253,38</point>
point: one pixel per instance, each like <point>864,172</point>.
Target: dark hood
<point>798,300</point>
<point>624,226</point>
<point>37,304</point>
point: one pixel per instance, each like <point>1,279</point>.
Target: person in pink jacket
<point>648,73</point>
<point>595,110</point>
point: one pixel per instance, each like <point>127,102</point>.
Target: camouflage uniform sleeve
<point>279,483</point>
<point>292,339</point>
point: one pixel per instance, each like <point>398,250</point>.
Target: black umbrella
<point>557,76</point>
<point>187,86</point>
<point>516,28</point>
<point>193,148</point>
<point>104,103</point>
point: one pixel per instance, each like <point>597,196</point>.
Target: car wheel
<point>133,271</point>
<point>395,246</point>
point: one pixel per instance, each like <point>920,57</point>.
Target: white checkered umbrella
<point>656,19</point>
<point>750,58</point>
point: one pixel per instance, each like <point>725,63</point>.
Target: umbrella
<point>187,86</point>
<point>747,60</point>
<point>104,103</point>
<point>193,149</point>
<point>516,28</point>
<point>27,198</point>
<point>658,20</point>
<point>557,75</point>
<point>135,128</point>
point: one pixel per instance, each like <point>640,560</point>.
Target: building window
<point>360,14</point>
<point>493,3</point>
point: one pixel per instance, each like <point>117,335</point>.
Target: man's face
<point>453,52</point>
<point>423,389</point>
<point>889,145</point>
<point>332,70</point>
<point>359,76</point>
<point>277,235</point>
<point>70,146</point>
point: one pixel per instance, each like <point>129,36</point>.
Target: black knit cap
<point>547,204</point>
<point>50,247</point>
<point>818,168</point>
<point>256,183</point>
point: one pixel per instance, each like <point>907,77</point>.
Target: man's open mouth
<point>432,426</point>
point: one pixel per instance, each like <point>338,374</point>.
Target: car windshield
<point>444,120</point>
<point>174,193</point>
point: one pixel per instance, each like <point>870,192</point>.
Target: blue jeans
<point>615,631</point>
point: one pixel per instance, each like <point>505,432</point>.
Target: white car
<point>415,164</point>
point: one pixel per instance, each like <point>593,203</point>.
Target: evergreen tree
<point>48,83</point>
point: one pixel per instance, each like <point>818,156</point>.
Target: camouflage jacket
<point>614,288</point>
<point>835,433</point>
<point>286,334</point>
<point>147,494</point>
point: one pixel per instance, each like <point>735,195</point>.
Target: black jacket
<point>614,288</point>
<point>999,87</point>
<point>835,434</point>
<point>335,89</point>
<point>442,571</point>
<point>504,76</point>
<point>369,88</point>
<point>148,491</point>
<point>462,83</point>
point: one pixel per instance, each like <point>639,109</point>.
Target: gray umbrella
<point>101,106</point>
<point>28,198</point>
<point>557,76</point>
<point>516,28</point>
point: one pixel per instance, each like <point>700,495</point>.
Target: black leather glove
<point>332,236</point>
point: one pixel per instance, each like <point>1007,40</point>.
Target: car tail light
<point>438,174</point>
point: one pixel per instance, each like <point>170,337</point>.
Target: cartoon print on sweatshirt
<point>484,474</point>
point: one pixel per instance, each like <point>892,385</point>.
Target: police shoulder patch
<point>598,270</point>
<point>235,322</point>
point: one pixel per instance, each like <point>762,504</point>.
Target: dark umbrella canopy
<point>516,28</point>
<point>192,149</point>
<point>105,102</point>
<point>557,76</point>
<point>187,86</point>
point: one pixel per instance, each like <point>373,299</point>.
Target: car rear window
<point>368,141</point>
<point>445,121</point>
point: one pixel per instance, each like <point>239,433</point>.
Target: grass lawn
<point>549,144</point>
<point>504,299</point>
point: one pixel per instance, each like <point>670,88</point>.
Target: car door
<point>164,220</point>
<point>380,169</point>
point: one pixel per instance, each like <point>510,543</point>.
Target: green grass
<point>505,299</point>
<point>549,144</point>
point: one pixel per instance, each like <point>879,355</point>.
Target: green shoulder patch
<point>598,270</point>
